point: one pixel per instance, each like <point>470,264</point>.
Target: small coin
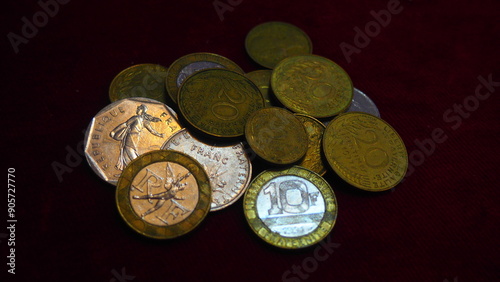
<point>365,151</point>
<point>227,166</point>
<point>276,135</point>
<point>312,85</point>
<point>262,78</point>
<point>362,103</point>
<point>291,208</point>
<point>163,194</point>
<point>314,129</point>
<point>269,43</point>
<point>124,130</point>
<point>218,101</point>
<point>192,63</point>
<point>144,80</point>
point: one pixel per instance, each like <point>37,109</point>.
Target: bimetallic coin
<point>163,194</point>
<point>192,63</point>
<point>291,208</point>
<point>228,167</point>
<point>314,129</point>
<point>269,43</point>
<point>124,130</point>
<point>312,85</point>
<point>362,103</point>
<point>262,78</point>
<point>144,80</point>
<point>365,151</point>
<point>219,102</point>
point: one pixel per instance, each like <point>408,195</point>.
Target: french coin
<point>144,80</point>
<point>228,166</point>
<point>262,78</point>
<point>365,151</point>
<point>362,103</point>
<point>291,208</point>
<point>312,85</point>
<point>314,129</point>
<point>163,194</point>
<point>269,43</point>
<point>192,63</point>
<point>276,135</point>
<point>218,101</point>
<point>124,130</point>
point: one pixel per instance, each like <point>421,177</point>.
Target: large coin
<point>314,129</point>
<point>312,85</point>
<point>276,135</point>
<point>192,63</point>
<point>219,102</point>
<point>291,208</point>
<point>269,43</point>
<point>362,103</point>
<point>227,166</point>
<point>124,130</point>
<point>163,194</point>
<point>262,78</point>
<point>365,151</point>
<point>144,80</point>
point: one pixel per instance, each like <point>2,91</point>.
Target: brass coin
<point>276,135</point>
<point>163,194</point>
<point>314,129</point>
<point>144,80</point>
<point>312,85</point>
<point>192,63</point>
<point>365,151</point>
<point>219,102</point>
<point>269,43</point>
<point>262,78</point>
<point>291,208</point>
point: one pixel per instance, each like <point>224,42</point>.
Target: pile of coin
<point>299,111</point>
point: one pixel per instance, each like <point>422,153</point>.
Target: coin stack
<point>292,115</point>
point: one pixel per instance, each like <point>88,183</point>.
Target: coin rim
<point>320,142</point>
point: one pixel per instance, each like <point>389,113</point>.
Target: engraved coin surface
<point>314,129</point>
<point>291,208</point>
<point>219,102</point>
<point>312,85</point>
<point>228,166</point>
<point>192,63</point>
<point>365,151</point>
<point>163,194</point>
<point>144,80</point>
<point>269,43</point>
<point>262,78</point>
<point>276,135</point>
<point>124,130</point>
<point>362,103</point>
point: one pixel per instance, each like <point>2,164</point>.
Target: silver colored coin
<point>362,103</point>
<point>228,167</point>
<point>195,67</point>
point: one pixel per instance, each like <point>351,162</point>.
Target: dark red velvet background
<point>440,224</point>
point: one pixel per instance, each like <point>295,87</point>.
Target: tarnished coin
<point>269,43</point>
<point>227,166</point>
<point>314,129</point>
<point>312,85</point>
<point>219,102</point>
<point>124,130</point>
<point>144,80</point>
<point>276,135</point>
<point>362,103</point>
<point>163,194</point>
<point>365,151</point>
<point>192,63</point>
<point>292,208</point>
<point>262,78</point>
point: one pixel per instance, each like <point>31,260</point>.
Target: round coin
<point>163,194</point>
<point>262,78</point>
<point>292,208</point>
<point>228,166</point>
<point>312,85</point>
<point>314,129</point>
<point>365,151</point>
<point>362,103</point>
<point>269,43</point>
<point>276,135</point>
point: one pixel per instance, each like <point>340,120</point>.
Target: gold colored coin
<point>365,151</point>
<point>163,194</point>
<point>189,64</point>
<point>276,135</point>
<point>269,43</point>
<point>144,80</point>
<point>219,102</point>
<point>262,78</point>
<point>314,129</point>
<point>312,85</point>
<point>291,208</point>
